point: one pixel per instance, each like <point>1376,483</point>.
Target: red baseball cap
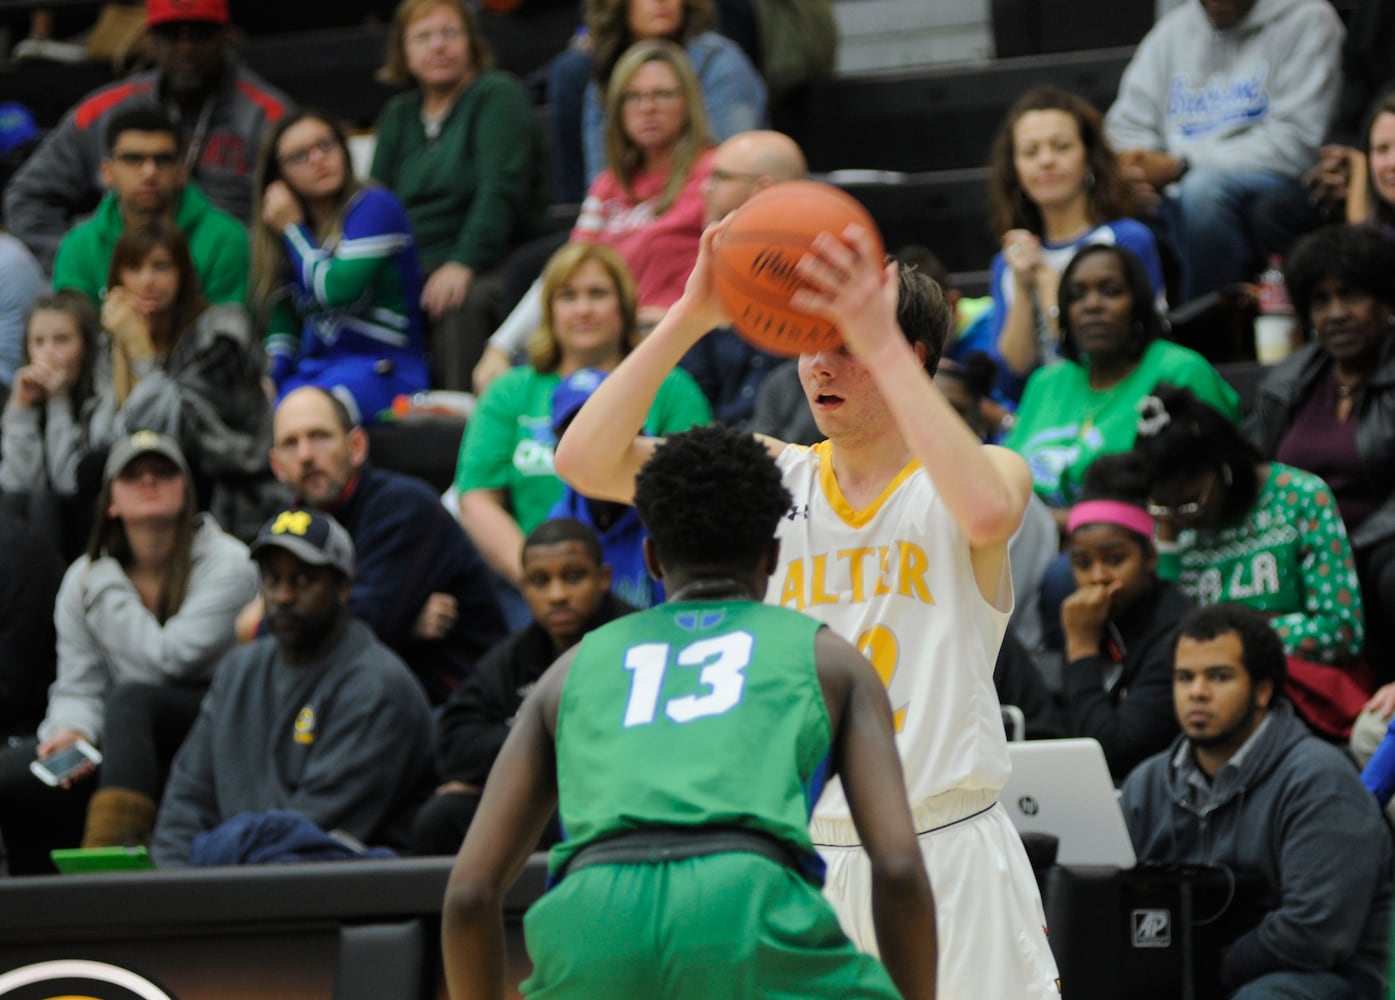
<point>165,11</point>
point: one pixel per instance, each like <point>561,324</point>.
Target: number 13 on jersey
<point>719,661</point>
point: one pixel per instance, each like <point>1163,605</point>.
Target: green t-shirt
<point>1063,425</point>
<point>704,713</point>
<point>1288,557</point>
<point>508,441</point>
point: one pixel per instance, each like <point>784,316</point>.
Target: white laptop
<point>1062,787</point>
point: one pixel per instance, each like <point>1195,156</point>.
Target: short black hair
<point>977,373</point>
<point>1261,649</point>
<point>1361,257</point>
<point>711,497</point>
<point>139,117</point>
<point>557,530</point>
<point>1180,437</point>
<point>1145,322</point>
<point>923,313</point>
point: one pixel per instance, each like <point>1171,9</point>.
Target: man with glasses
<point>146,180</point>
<point>220,107</point>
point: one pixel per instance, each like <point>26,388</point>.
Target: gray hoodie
<point>1256,96</point>
<point>1294,813</point>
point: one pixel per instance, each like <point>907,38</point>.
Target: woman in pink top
<point>647,203</point>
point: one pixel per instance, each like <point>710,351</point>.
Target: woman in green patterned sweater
<point>1234,528</point>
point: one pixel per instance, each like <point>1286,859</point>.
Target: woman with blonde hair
<point>462,150</point>
<point>648,203</point>
<point>334,272</point>
<point>1055,187</point>
<point>504,478</point>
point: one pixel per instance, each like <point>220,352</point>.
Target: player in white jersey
<point>898,540</point>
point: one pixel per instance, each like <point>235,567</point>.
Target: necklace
<point>712,589</point>
<point>1345,391</point>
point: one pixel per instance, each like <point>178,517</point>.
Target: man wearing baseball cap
<point>221,108</point>
<point>317,717</point>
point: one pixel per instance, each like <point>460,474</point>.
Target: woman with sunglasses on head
<point>1117,679</point>
<point>334,273</point>
<point>1235,527</point>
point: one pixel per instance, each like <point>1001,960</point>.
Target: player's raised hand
<point>852,287</point>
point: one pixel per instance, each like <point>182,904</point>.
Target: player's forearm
<point>982,487</point>
<point>903,912</point>
<point>600,455</point>
<point>472,947</point>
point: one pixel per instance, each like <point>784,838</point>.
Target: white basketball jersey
<point>896,580</point>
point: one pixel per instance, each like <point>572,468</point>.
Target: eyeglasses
<point>427,35</point>
<point>634,98</point>
<point>302,156</point>
<point>136,160</point>
<point>1191,508</point>
<point>720,176</point>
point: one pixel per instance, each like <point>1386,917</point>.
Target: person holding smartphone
<point>141,619</point>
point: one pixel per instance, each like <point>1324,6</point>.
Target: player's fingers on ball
<point>819,273</point>
<point>833,250</point>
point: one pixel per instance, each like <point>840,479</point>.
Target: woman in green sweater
<point>505,478</point>
<point>461,150</point>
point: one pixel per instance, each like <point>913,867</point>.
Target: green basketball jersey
<point>693,714</point>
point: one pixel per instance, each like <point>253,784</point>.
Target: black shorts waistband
<point>659,845</point>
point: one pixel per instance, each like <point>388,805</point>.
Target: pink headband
<point>1125,515</point>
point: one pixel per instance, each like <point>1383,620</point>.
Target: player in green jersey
<point>689,744</point>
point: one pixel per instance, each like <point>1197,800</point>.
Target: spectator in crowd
<point>1055,188</point>
<point>616,525</point>
<point>566,583</point>
<point>1219,113</point>
<point>1118,623</point>
<point>334,273</point>
<point>648,204</point>
<point>1370,191</point>
<point>504,478</point>
<point>728,369</point>
<point>172,363</point>
<point>462,151</point>
<point>1111,339</point>
<point>1037,539</point>
<point>578,79</point>
<point>420,584</point>
<point>142,620</point>
<point>221,108</point>
<point>318,718</point>
<point>1234,527</point>
<point>1247,787</point>
<point>146,180</point>
<point>21,282</point>
<point>716,811</point>
<point>43,433</point>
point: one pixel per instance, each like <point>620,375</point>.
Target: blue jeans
<point>567,77</point>
<point>1225,223</point>
<point>1295,985</point>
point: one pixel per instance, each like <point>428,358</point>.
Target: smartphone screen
<point>61,765</point>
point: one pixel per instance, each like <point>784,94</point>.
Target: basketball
<point>753,262</point>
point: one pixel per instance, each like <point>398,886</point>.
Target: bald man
<point>729,370</point>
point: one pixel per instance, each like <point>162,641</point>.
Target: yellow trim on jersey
<point>846,512</point>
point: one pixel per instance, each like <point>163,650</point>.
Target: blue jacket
<point>1293,813</point>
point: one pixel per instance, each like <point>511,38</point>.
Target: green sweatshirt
<point>217,243</point>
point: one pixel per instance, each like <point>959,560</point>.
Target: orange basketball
<point>753,262</point>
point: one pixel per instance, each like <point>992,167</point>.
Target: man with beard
<point>318,718</point>
<point>1248,788</point>
<point>421,585</point>
<point>221,108</point>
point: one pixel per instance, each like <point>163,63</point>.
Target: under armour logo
<point>797,513</point>
<point>1152,928</point>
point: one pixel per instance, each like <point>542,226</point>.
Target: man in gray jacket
<point>221,109</point>
<point>318,718</point>
<point>1248,788</point>
<point>1219,113</point>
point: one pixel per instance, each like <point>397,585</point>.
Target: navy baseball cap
<point>571,393</point>
<point>312,536</point>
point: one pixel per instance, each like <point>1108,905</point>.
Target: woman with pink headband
<point>1117,681</point>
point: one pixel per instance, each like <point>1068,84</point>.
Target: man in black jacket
<point>567,586</point>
